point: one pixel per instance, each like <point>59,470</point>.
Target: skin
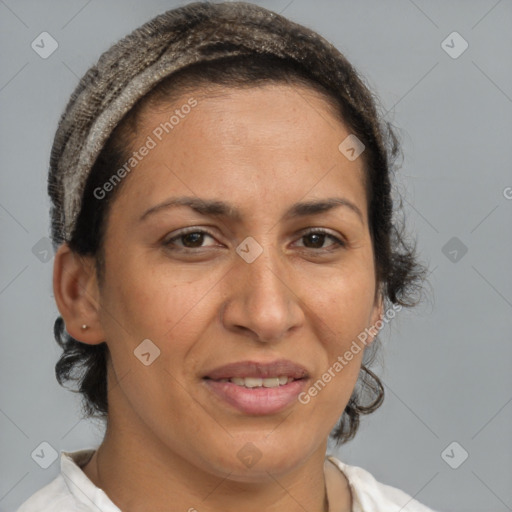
<point>170,444</point>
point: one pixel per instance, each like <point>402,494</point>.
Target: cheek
<point>345,303</point>
<point>143,302</point>
<point>341,307</point>
<point>168,307</point>
<point>151,301</point>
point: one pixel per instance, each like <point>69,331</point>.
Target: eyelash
<point>313,231</point>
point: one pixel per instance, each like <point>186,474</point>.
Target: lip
<point>256,401</point>
<point>277,368</point>
<point>260,400</point>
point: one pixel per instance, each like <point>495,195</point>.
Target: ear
<point>377,314</point>
<point>76,293</point>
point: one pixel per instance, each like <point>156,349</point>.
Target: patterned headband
<point>197,32</point>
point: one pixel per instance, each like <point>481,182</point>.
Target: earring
<point>85,326</point>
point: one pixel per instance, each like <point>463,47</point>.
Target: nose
<point>263,298</point>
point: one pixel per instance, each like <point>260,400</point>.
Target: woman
<point>226,255</point>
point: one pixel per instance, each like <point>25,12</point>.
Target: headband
<point>197,32</point>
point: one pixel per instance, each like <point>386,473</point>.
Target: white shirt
<point>72,491</point>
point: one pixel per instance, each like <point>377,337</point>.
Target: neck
<point>137,478</point>
<point>139,472</point>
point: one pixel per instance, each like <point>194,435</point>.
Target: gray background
<point>446,365</point>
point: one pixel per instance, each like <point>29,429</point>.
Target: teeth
<point>272,382</point>
<point>258,382</point>
<point>252,382</point>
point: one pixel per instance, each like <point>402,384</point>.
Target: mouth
<point>257,388</point>
<point>258,370</point>
<point>259,382</point>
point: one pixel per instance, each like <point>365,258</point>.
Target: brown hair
<point>399,274</point>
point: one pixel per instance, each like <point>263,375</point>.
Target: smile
<point>258,382</point>
<point>257,387</point>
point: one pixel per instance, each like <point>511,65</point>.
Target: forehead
<point>275,140</point>
<point>294,99</point>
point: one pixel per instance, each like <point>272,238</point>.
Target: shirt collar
<point>79,484</point>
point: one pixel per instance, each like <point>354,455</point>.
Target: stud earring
<point>85,326</point>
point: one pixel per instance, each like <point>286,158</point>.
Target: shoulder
<point>71,490</point>
<point>369,495</point>
<point>54,497</point>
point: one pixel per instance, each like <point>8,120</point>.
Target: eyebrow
<point>217,208</point>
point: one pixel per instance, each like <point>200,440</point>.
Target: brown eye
<point>192,239</point>
<point>316,239</point>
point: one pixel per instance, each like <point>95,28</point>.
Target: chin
<point>252,462</point>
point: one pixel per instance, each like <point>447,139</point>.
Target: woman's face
<point>250,285</point>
